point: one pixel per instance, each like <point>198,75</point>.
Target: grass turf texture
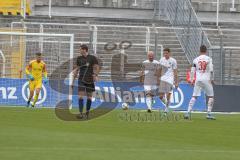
<point>37,134</point>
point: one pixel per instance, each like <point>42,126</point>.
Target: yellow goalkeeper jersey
<point>37,69</point>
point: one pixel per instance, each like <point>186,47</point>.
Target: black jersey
<point>85,65</point>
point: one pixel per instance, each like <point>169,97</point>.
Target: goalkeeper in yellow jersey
<point>36,73</point>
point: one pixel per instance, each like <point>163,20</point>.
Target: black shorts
<point>86,87</point>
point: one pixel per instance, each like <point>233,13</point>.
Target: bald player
<point>150,79</point>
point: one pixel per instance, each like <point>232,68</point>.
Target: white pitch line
<point>198,112</point>
<point>113,149</point>
<point>155,110</point>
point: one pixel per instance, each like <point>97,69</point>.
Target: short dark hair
<point>167,49</point>
<point>38,54</point>
<point>203,48</point>
<point>84,47</point>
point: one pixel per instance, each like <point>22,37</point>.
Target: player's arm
<point>175,77</point>
<point>158,73</point>
<point>74,74</point>
<point>96,69</point>
<point>141,74</point>
<point>211,71</point>
<point>175,72</point>
<point>75,71</point>
<point>192,73</point>
<point>28,70</point>
<point>44,72</point>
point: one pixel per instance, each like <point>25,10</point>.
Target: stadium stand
<point>210,5</point>
<point>199,5</point>
<point>109,29</point>
<point>141,4</point>
<point>228,37</point>
<point>116,34</point>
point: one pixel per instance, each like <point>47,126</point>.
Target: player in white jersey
<point>150,78</point>
<point>203,67</point>
<point>168,75</point>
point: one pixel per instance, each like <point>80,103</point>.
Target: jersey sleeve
<point>95,60</point>
<point>143,66</point>
<point>44,70</point>
<point>160,63</point>
<point>28,68</point>
<point>175,64</point>
<point>210,65</point>
<point>78,62</point>
<point>159,66</point>
<point>194,63</point>
<point>142,69</point>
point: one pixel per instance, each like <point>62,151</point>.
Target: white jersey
<point>168,66</point>
<point>204,67</point>
<point>150,68</point>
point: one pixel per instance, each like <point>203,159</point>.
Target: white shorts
<point>165,87</point>
<point>206,86</point>
<point>152,89</point>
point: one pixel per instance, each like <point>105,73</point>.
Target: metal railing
<point>232,66</point>
<point>141,4</point>
<point>93,33</point>
<point>181,14</point>
<point>190,41</point>
<point>3,64</point>
<point>226,65</point>
<point>225,54</point>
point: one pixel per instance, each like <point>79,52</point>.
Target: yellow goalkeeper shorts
<point>36,84</point>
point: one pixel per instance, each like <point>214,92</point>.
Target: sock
<point>35,99</point>
<point>163,99</point>
<point>167,103</point>
<point>89,103</point>
<point>80,105</point>
<point>191,104</point>
<point>149,102</point>
<point>210,105</point>
<point>29,99</point>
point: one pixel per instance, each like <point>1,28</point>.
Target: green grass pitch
<point>37,134</point>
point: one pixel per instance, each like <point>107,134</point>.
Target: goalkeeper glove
<point>45,80</point>
<point>30,77</point>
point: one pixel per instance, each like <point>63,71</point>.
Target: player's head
<point>150,55</point>
<point>203,49</point>
<point>84,49</point>
<point>38,56</point>
<point>166,53</point>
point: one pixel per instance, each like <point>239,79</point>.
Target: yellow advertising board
<point>13,7</point>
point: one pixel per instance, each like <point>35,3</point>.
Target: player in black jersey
<point>87,67</point>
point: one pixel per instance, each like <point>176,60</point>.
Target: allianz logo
<point>42,95</point>
<point>118,95</point>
